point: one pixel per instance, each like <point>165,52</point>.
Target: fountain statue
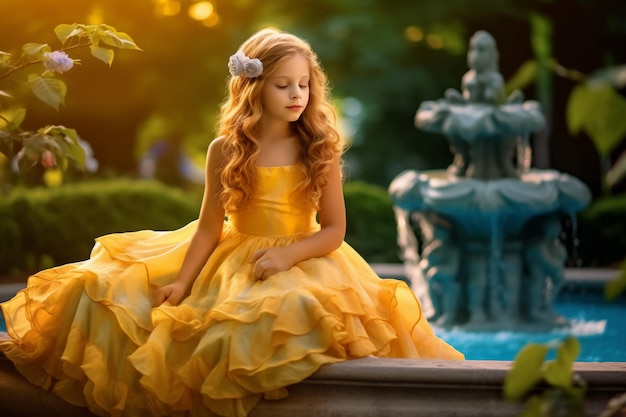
<point>490,254</point>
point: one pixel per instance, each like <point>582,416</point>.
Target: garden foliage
<point>43,227</point>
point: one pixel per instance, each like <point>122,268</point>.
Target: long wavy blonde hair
<point>320,142</point>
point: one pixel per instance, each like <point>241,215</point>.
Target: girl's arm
<point>332,218</point>
<point>206,236</point>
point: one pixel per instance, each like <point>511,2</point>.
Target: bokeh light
<point>434,40</point>
<point>414,34</point>
<point>166,8</point>
<point>96,16</point>
<point>201,10</point>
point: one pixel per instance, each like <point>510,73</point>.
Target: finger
<point>157,298</point>
<point>260,270</point>
<point>169,301</point>
<point>257,272</point>
<point>267,271</point>
<point>257,255</point>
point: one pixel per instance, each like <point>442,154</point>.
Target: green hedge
<point>602,232</point>
<point>49,226</point>
<point>371,224</point>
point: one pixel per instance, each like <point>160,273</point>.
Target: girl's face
<point>285,94</point>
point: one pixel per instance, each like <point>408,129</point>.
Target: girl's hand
<point>171,294</point>
<point>270,261</point>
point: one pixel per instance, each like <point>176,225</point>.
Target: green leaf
<point>617,286</point>
<point>33,145</point>
<point>19,115</point>
<point>64,31</point>
<point>64,141</point>
<point>526,371</point>
<point>76,152</point>
<point>119,40</point>
<point>12,119</point>
<point>577,108</point>
<point>558,372</point>
<point>35,50</point>
<point>49,90</point>
<point>617,172</point>
<point>598,110</point>
<point>105,55</point>
<point>523,77</point>
<point>24,162</point>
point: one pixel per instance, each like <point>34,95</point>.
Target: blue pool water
<point>599,326</point>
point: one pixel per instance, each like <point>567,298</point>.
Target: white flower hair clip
<point>240,64</point>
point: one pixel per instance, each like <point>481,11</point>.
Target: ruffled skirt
<point>88,332</point>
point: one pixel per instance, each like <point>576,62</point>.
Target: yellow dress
<point>87,330</point>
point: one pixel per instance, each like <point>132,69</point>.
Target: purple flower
<point>57,61</point>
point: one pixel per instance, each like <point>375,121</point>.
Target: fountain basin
<point>476,207</point>
<point>478,120</point>
<point>491,256</point>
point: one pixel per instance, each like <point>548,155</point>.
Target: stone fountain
<point>489,253</point>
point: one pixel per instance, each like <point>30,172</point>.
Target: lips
<point>295,107</point>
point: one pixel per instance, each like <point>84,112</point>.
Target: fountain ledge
<point>573,276</point>
<point>371,387</point>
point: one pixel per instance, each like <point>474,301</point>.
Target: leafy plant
<point>51,145</point>
<point>552,389</point>
<point>563,391</point>
<point>594,107</point>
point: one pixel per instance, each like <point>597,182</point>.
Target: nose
<point>296,92</point>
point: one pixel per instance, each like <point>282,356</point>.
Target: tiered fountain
<point>490,254</point>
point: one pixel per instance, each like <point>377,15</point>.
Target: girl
<point>255,295</point>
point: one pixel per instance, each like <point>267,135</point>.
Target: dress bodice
<point>275,210</point>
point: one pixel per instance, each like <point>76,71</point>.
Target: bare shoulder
<point>215,153</point>
<point>217,144</point>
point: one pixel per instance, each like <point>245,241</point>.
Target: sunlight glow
<point>167,7</point>
<point>212,20</point>
<point>95,17</point>
<point>201,10</point>
<point>414,34</point>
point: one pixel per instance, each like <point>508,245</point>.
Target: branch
<point>21,66</point>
